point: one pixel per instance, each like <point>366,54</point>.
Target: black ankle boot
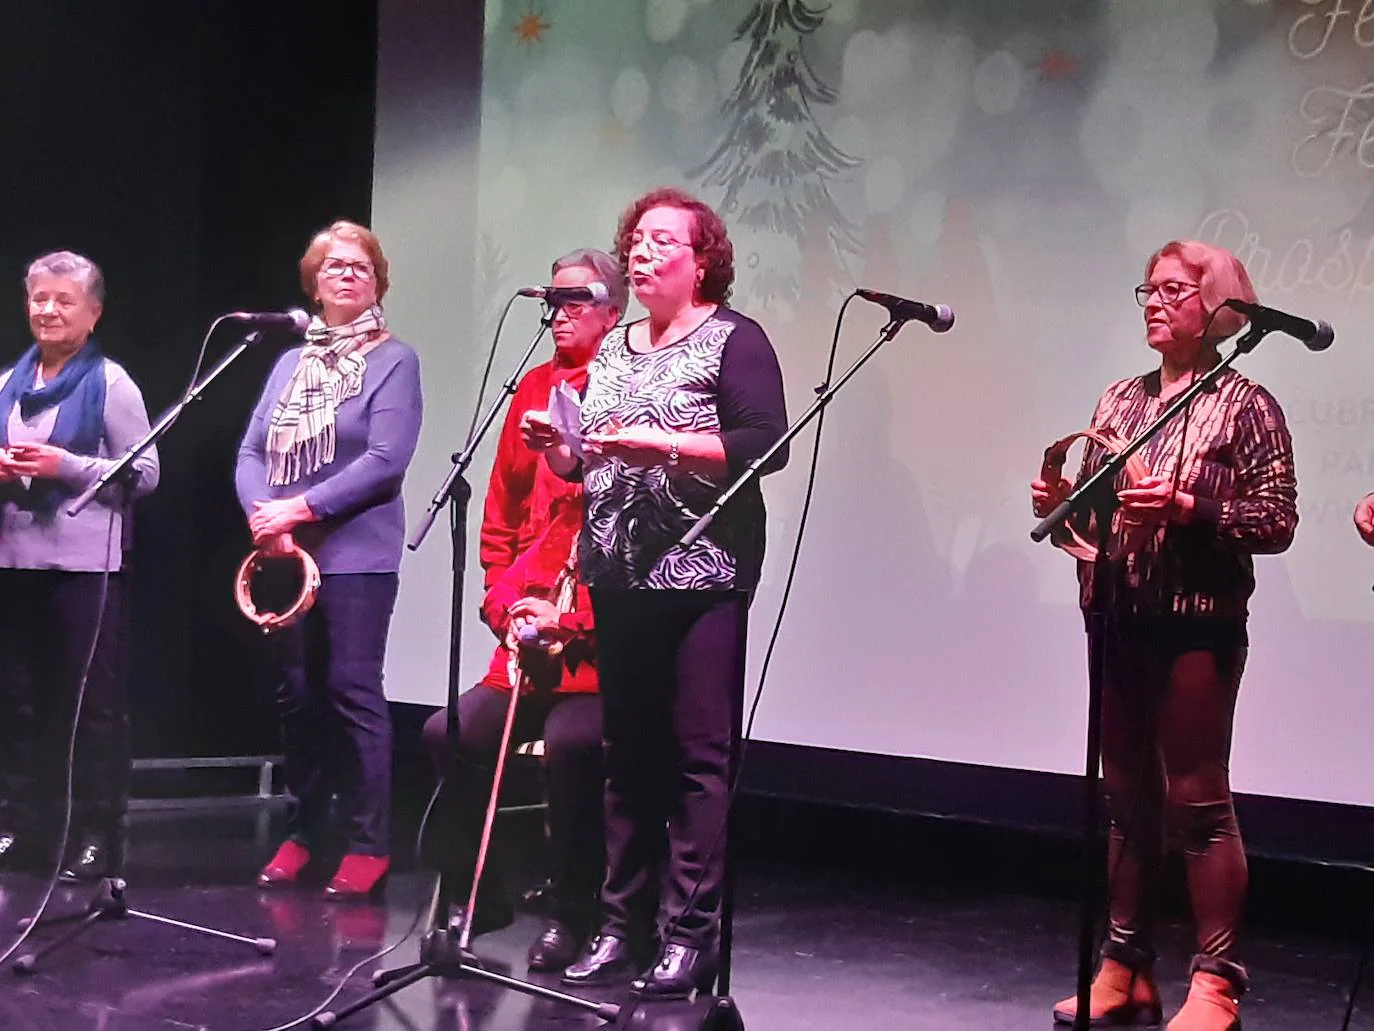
<point>556,947</point>
<point>606,959</point>
<point>16,850</point>
<point>94,856</point>
<point>681,971</point>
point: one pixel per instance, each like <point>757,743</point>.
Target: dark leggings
<point>1166,747</point>
<point>672,685</point>
<point>45,635</point>
<point>570,725</point>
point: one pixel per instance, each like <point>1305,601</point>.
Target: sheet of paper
<point>565,413</point>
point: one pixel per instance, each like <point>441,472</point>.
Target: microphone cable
<point>486,371</point>
<point>737,776</point>
<point>423,829</point>
<point>67,793</point>
<point>385,950</point>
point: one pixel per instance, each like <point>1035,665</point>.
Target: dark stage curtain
<point>190,149</point>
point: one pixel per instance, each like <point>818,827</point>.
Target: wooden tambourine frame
<point>271,622</point>
<point>1052,470</point>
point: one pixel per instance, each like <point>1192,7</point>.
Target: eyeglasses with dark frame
<point>575,309</point>
<point>1170,291</point>
<point>336,267</point>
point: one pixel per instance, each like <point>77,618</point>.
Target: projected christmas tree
<point>774,164</point>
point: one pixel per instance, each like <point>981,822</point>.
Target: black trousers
<point>47,623</point>
<point>570,725</point>
<point>672,689</point>
<point>336,728</point>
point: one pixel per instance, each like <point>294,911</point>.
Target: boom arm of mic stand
<point>1081,497</point>
<point>461,460</point>
<point>824,395</point>
<point>124,466</point>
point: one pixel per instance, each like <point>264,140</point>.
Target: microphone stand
<point>724,1012</point>
<point>825,393</point>
<point>444,948</point>
<point>123,469</point>
<point>1097,494</point>
<point>109,902</point>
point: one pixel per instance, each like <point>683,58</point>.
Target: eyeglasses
<point>1169,292</point>
<point>335,267</point>
<point>659,243</point>
<point>574,310</point>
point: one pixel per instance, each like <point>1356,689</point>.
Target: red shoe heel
<point>359,876</point>
<point>285,867</point>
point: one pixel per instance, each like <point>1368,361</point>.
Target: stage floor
<point>815,950</point>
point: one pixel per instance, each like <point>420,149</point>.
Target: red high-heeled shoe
<point>284,867</point>
<point>358,876</point>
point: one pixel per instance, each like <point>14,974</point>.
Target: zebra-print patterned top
<point>1237,461</point>
<point>722,378</point>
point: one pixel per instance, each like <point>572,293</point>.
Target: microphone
<point>293,321</point>
<point>557,296</point>
<point>1315,336</point>
<point>939,317</point>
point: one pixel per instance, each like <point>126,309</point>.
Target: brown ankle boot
<point>1211,1005</point>
<point>1120,997</point>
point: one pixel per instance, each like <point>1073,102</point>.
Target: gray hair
<point>68,265</point>
<point>607,270</point>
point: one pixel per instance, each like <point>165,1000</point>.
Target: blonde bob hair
<point>1220,277</point>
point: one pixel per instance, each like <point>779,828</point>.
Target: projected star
<point>530,28</point>
<point>1058,64</point>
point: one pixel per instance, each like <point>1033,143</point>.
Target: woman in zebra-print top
<point>677,405</point>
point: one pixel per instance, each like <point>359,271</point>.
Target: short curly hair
<point>343,229</point>
<point>710,240</point>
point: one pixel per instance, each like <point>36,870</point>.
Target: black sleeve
<point>751,405</point>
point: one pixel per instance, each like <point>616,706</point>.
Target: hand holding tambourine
<point>1049,491</point>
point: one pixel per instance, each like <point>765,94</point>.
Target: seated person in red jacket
<point>529,535</point>
<point>522,485</point>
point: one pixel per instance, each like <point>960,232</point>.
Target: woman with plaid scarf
<point>320,467</point>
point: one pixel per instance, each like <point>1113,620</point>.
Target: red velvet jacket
<point>522,488</point>
<point>530,525</point>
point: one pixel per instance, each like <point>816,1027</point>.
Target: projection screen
<point>1019,165</point>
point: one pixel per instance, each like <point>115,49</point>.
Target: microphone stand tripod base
<point>441,955</point>
<point>109,903</point>
<point>705,1013</point>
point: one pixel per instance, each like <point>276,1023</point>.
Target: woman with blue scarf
<point>67,414</point>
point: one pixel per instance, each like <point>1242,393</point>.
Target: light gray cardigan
<point>84,543</point>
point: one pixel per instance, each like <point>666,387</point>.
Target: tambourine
<point>1052,470</point>
<point>271,622</point>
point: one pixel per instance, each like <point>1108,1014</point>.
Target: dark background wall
<point>190,149</point>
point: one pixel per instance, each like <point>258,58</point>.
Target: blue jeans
<point>336,728</point>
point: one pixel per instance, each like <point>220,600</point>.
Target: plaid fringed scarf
<point>300,437</point>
